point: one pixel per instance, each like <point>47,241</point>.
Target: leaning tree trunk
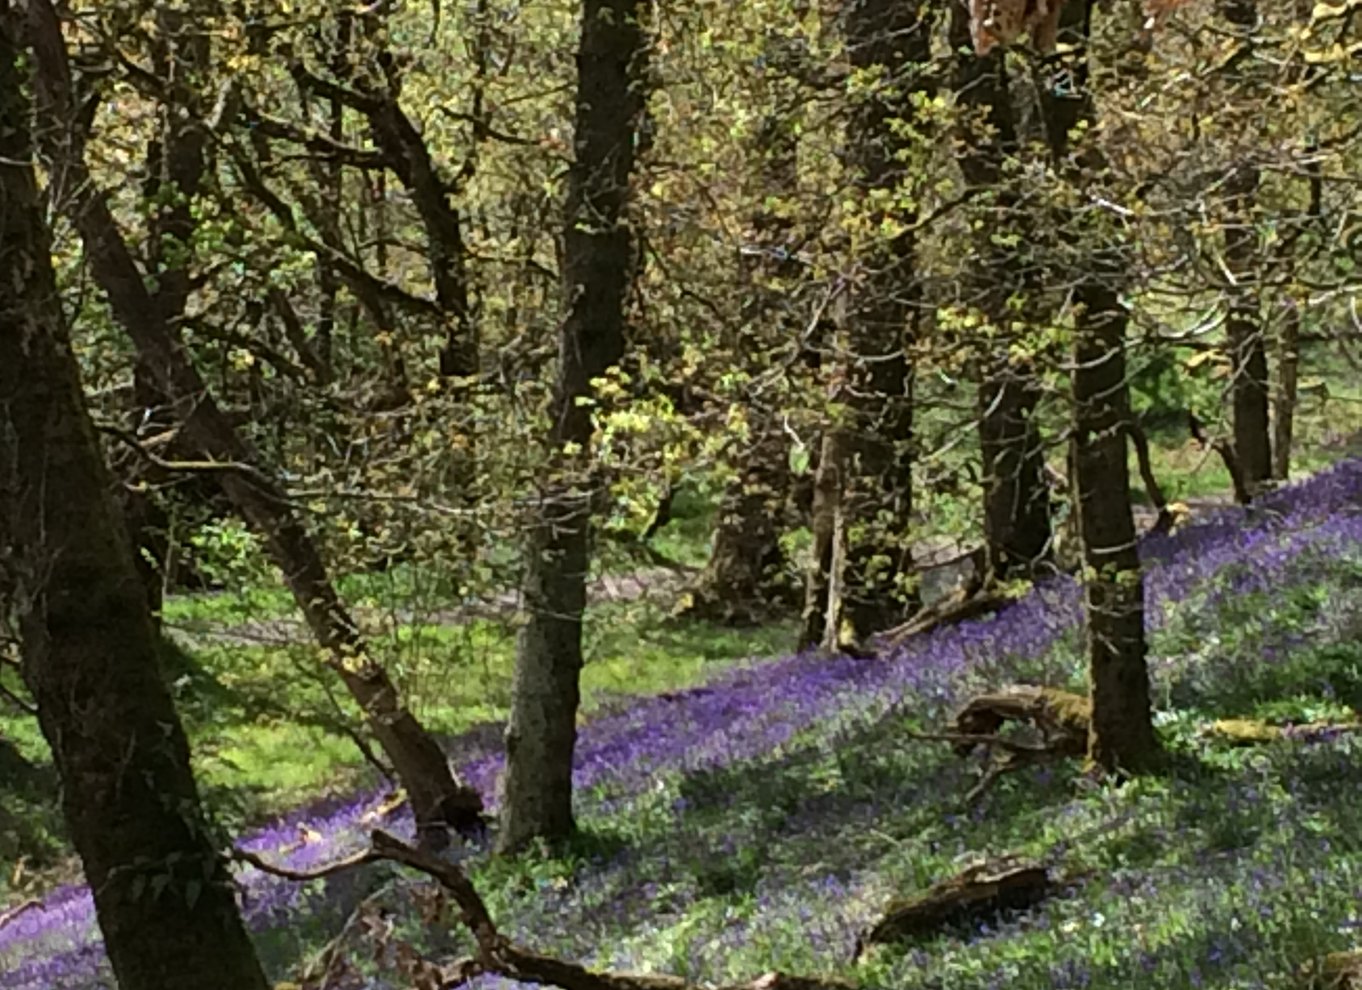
<point>1018,533</point>
<point>597,262</point>
<point>1122,734</point>
<point>437,797</point>
<point>876,481</point>
<point>163,895</point>
<point>1249,386</point>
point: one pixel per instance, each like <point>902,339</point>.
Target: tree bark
<point>597,267</point>
<point>1018,534</point>
<point>1284,402</point>
<point>1122,736</point>
<point>1289,336</point>
<point>163,895</point>
<point>744,581</point>
<point>1249,385</point>
<point>821,627</point>
<point>175,165</point>
<point>877,495</point>
<point>437,798</point>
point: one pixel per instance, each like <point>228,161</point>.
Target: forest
<point>612,495</point>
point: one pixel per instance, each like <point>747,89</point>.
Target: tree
<point>1122,736</point>
<point>597,266</point>
<point>1249,387</point>
<point>744,581</point>
<point>1017,525</point>
<point>163,895</point>
<point>863,498</point>
<point>438,798</point>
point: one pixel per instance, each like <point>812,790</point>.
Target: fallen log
<point>981,893</point>
<point>1336,971</point>
<point>1252,732</point>
<point>1062,718</point>
<point>951,611</point>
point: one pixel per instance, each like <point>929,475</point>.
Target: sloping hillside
<point>763,820</point>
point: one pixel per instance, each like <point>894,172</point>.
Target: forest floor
<point>763,816</point>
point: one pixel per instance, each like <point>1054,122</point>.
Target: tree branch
<point>497,954</point>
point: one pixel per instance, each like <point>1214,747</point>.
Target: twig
<point>186,467</point>
<point>14,913</point>
<point>978,739</point>
<point>496,953</point>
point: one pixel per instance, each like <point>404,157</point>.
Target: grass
<point>1231,870</point>
<point>781,827</point>
<point>264,720</point>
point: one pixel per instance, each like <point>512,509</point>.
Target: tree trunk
<point>597,262</point>
<point>1122,737</point>
<point>1289,337</point>
<point>1284,403</point>
<point>175,164</point>
<point>437,797</point>
<point>163,896</point>
<point>744,581</point>
<point>821,627</point>
<point>1249,386</point>
<point>876,499</point>
<point>1243,326</point>
<point>1018,534</point>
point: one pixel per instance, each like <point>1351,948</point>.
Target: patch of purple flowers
<point>750,712</point>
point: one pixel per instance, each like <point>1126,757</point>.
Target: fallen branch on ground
<point>958,608</point>
<point>496,954</point>
<point>978,893</point>
<point>14,913</point>
<point>1061,717</point>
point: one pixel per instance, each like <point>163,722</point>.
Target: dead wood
<point>1252,732</point>
<point>1336,971</point>
<point>8,916</point>
<point>1062,717</point>
<point>971,604</point>
<point>977,894</point>
<point>496,954</point>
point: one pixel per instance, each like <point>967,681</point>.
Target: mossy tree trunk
<point>875,500</point>
<point>163,895</point>
<point>438,798</point>
<point>597,269</point>
<point>1122,736</point>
